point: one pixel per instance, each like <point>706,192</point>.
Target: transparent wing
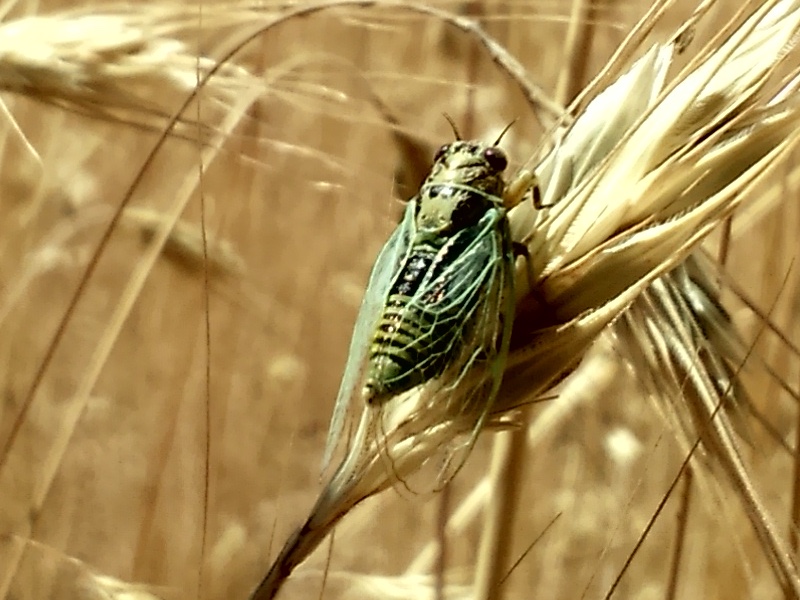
<point>470,295</point>
<point>383,273</point>
<point>462,292</point>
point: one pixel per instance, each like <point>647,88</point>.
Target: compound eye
<point>441,152</point>
<point>496,158</point>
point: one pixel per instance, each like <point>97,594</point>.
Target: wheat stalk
<point>91,63</point>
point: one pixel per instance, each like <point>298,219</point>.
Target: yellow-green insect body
<point>457,245</point>
<point>439,303</point>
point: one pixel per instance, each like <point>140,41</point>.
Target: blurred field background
<point>105,467</point>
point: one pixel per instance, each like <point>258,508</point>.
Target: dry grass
<point>170,441</point>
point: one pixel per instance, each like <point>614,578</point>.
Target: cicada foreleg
<point>517,188</point>
<point>520,249</point>
<point>514,193</point>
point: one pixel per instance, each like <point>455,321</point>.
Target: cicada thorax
<point>428,311</point>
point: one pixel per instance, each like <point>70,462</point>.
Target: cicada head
<point>465,181</point>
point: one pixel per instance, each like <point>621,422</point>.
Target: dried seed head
<point>107,64</point>
<point>646,193</point>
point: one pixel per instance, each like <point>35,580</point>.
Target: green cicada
<point>439,304</point>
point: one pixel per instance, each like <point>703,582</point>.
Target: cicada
<point>439,304</point>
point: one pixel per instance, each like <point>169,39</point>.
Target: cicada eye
<point>496,158</point>
<point>440,152</point>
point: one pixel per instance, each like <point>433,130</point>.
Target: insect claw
<point>538,202</point>
<point>520,249</point>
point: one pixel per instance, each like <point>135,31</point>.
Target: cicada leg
<point>514,193</point>
<point>538,203</point>
<point>520,249</point>
<point>518,187</point>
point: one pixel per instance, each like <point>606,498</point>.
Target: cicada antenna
<point>453,127</point>
<point>502,133</point>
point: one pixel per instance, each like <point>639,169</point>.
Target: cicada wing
<point>477,371</point>
<point>465,294</point>
<point>480,368</point>
<point>380,280</point>
<point>472,296</point>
